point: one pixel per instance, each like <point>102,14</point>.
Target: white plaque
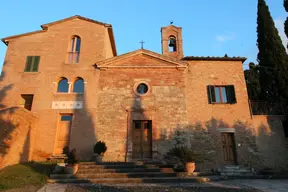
<point>67,104</point>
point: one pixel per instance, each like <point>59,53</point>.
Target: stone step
<point>133,180</point>
<point>236,171</point>
<point>237,174</point>
<point>117,175</point>
<point>107,163</point>
<point>83,166</point>
<point>122,170</point>
<point>124,163</point>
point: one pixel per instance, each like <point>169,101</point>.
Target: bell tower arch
<point>172,44</point>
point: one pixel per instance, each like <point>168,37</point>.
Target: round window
<point>142,88</point>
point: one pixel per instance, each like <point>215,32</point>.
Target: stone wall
<point>52,47</point>
<point>271,141</point>
<point>164,104</point>
<point>17,135</point>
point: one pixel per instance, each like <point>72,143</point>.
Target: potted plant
<point>189,161</point>
<point>72,165</point>
<point>99,150</point>
<point>185,155</point>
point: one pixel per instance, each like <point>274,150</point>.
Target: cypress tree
<point>271,57</point>
<point>286,22</point>
<point>252,81</point>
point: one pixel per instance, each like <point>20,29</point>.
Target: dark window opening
<point>137,124</point>
<point>78,86</point>
<point>27,101</point>
<point>221,94</point>
<point>63,86</point>
<point>66,117</point>
<point>172,44</point>
<point>32,63</point>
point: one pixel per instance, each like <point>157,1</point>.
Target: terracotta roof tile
<point>225,58</point>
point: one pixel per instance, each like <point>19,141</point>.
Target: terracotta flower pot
<point>190,167</point>
<point>97,158</point>
<point>71,168</point>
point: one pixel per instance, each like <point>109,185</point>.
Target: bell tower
<point>172,44</point>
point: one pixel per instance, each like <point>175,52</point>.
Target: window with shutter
<point>32,63</point>
<point>221,94</point>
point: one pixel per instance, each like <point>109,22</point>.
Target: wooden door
<point>63,133</point>
<point>228,145</point>
<point>142,139</point>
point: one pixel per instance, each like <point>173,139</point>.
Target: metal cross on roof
<point>142,42</point>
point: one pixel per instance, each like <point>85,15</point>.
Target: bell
<point>172,42</point>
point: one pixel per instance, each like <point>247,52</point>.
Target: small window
<point>221,94</point>
<point>66,117</point>
<point>63,86</point>
<point>27,101</point>
<point>74,50</point>
<point>32,63</point>
<point>78,86</point>
<point>142,88</point>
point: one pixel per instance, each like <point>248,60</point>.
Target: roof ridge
<point>43,26</point>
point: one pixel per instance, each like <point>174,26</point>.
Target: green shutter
<point>36,63</point>
<point>211,94</point>
<point>231,96</point>
<point>28,64</point>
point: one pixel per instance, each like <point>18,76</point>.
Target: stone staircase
<point>128,172</point>
<point>57,158</point>
<point>236,171</point>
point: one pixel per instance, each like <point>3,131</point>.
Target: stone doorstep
<point>134,180</point>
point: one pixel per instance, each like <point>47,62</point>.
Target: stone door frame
<point>138,114</point>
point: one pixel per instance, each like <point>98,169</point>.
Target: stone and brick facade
<point>175,101</point>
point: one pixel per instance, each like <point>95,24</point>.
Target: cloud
<point>226,37</point>
<point>279,24</point>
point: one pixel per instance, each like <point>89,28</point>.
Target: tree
<point>286,22</point>
<point>272,58</point>
<point>252,81</point>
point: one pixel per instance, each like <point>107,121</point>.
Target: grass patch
<point>32,173</point>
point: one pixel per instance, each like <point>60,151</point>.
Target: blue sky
<point>210,27</point>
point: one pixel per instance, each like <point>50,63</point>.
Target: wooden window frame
<point>220,93</point>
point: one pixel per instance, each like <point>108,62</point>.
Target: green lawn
<point>25,174</point>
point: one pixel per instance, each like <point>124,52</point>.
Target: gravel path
<point>157,188</point>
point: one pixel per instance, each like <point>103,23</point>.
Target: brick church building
<point>65,85</point>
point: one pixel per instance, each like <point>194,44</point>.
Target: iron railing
<point>266,108</point>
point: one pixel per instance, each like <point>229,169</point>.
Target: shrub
<point>100,148</point>
<point>183,153</point>
<point>65,151</point>
<point>71,157</point>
